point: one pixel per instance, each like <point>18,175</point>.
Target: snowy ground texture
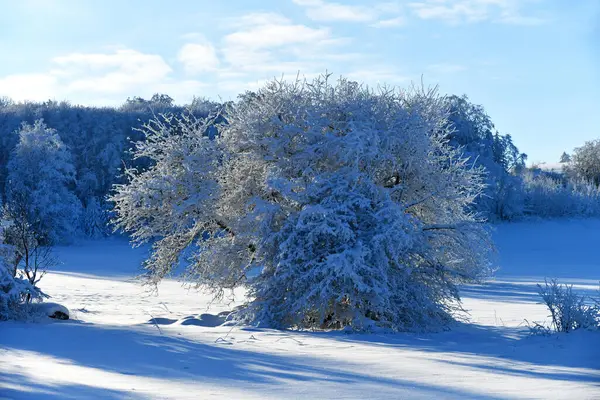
<point>125,343</point>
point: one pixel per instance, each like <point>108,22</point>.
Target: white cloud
<point>261,33</point>
<point>379,15</point>
<point>111,72</point>
<point>263,46</point>
<point>198,58</point>
<point>239,85</point>
<point>253,48</point>
<point>270,42</point>
<point>319,10</point>
<point>182,91</point>
<point>459,11</point>
<point>91,78</point>
<point>455,12</point>
<point>124,59</point>
<point>20,87</point>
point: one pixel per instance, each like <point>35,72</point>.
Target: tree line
<point>60,161</point>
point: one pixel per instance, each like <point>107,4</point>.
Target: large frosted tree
<point>40,174</point>
<point>333,204</point>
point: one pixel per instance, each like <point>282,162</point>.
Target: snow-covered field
<point>125,343</point>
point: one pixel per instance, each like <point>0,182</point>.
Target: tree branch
<point>443,226</point>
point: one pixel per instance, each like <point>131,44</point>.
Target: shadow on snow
<point>524,290</point>
<point>28,388</point>
<point>148,354</point>
<point>500,350</point>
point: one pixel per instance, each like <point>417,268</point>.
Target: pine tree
<point>565,158</point>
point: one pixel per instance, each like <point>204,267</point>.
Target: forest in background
<point>89,147</point>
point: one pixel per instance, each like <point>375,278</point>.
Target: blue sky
<point>533,64</point>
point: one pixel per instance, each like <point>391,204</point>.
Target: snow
<point>53,310</point>
<point>123,342</point>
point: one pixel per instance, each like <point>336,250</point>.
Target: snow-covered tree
<point>40,173</point>
<point>98,138</point>
<point>333,204</point>
<point>31,255</point>
<point>585,162</point>
<point>94,219</point>
<point>565,157</point>
<point>475,134</point>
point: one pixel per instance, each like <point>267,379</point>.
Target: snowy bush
<point>16,291</point>
<point>16,294</point>
<point>547,196</point>
<point>568,310</point>
<point>334,205</point>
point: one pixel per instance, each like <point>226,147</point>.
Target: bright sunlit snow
<point>125,343</point>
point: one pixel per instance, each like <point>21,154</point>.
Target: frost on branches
<point>336,206</point>
<point>40,173</point>
<point>16,292</point>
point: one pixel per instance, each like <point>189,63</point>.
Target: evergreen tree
<point>565,158</point>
